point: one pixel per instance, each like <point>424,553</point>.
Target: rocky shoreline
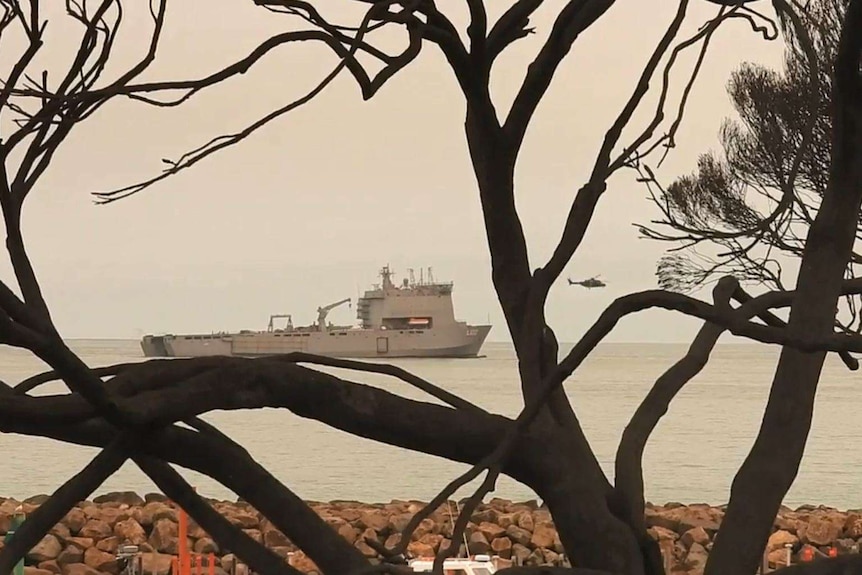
<point>85,541</point>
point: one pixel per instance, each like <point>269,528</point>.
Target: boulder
<point>156,497</point>
<point>228,561</point>
<point>427,525</point>
<point>392,540</point>
<point>101,561</point>
<point>788,521</point>
<point>490,530</point>
<point>433,540</point>
<point>61,531</point>
<point>519,535</point>
<point>206,545</point>
<point>195,531</point>
<point>75,520</point>
<point>275,538</point>
<point>373,520</point>
<point>696,535</point>
<point>152,512</point>
<point>303,563</point>
<point>163,538</point>
<point>779,539</point>
<point>662,534</point>
<point>71,554</point>
<point>81,543</point>
<point>129,498</point>
<point>846,546</point>
<point>397,523</point>
<point>502,547</point>
<point>47,549</point>
<point>348,532</point>
<point>109,544</point>
<point>551,557</point>
<point>820,530</point>
<point>420,549</point>
<point>535,558</point>
<point>112,515</point>
<point>542,515</point>
<point>543,536</point>
<point>130,532</point>
<point>50,567</point>
<point>853,526</point>
<point>696,558</point>
<point>477,544</point>
<point>30,570</point>
<point>156,564</point>
<point>488,515</point>
<point>350,515</point>
<point>364,548</point>
<point>82,569</point>
<point>778,558</point>
<point>525,521</point>
<point>520,553</point>
<point>243,520</point>
<point>96,529</point>
<point>709,518</point>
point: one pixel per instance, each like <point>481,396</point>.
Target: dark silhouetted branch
<point>260,558</point>
<point>511,27</point>
<point>628,475</point>
<point>574,18</point>
<point>76,489</point>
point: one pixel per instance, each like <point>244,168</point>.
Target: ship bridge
<point>413,304</point>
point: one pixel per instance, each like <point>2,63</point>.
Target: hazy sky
<point>306,211</point>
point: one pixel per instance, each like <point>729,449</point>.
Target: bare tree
<point>787,186</point>
<point>134,414</point>
<point>735,202</point>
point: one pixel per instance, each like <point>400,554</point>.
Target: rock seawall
<point>85,541</point>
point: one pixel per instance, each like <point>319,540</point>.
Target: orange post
<point>833,552</point>
<point>211,569</point>
<point>807,554</point>
<point>182,542</point>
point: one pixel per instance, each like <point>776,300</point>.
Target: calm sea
<point>691,458</point>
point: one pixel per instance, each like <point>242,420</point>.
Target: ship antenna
<point>452,520</point>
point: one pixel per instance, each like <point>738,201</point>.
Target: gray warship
<point>413,319</point>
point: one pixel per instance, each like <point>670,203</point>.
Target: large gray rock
<point>129,498</point>
<point>47,549</point>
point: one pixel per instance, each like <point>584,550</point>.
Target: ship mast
<point>386,274</point>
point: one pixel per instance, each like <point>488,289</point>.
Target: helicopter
<point>593,282</point>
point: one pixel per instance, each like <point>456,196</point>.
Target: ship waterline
<point>414,319</point>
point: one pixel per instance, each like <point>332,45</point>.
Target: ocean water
<point>692,456</point>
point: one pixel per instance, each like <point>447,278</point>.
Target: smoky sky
<point>305,211</point>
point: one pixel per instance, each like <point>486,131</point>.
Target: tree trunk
<point>571,480</point>
<point>770,468</point>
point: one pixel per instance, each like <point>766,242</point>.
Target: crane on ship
<point>322,312</point>
<point>275,316</point>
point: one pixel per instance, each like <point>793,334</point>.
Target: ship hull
<point>457,340</point>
